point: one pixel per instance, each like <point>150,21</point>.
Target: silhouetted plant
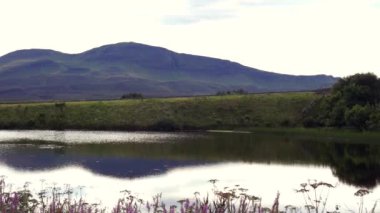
<point>228,200</point>
<point>232,92</point>
<point>314,197</point>
<point>132,95</point>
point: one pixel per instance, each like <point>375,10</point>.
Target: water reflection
<point>80,137</point>
<point>353,163</point>
<point>47,157</point>
<point>357,164</point>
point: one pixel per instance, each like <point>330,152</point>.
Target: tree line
<point>353,102</point>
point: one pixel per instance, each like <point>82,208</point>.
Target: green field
<point>193,113</point>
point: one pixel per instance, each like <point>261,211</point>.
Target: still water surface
<point>101,164</point>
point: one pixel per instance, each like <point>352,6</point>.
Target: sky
<point>300,37</point>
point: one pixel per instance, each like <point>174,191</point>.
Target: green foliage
<point>337,114</point>
<point>374,119</point>
<point>352,102</point>
<point>358,116</point>
<point>359,89</point>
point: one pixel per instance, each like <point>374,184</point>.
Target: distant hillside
<point>162,114</point>
<point>109,71</point>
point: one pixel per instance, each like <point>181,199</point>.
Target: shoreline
<point>345,135</point>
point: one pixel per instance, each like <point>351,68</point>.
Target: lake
<point>101,164</point>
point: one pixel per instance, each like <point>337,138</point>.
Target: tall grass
<point>228,200</point>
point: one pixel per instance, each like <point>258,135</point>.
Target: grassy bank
<point>193,113</point>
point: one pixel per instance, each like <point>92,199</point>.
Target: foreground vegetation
<point>228,200</point>
<point>165,114</point>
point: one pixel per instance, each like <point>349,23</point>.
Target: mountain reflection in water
<point>354,163</point>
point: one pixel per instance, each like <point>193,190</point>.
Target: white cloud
<point>338,37</point>
<point>272,3</point>
<point>201,10</point>
<point>198,16</point>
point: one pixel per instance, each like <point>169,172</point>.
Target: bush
<point>233,92</point>
<point>337,115</point>
<point>165,125</point>
<point>310,122</point>
<point>285,123</point>
<point>358,116</point>
<point>352,103</point>
<point>132,96</point>
<point>374,120</point>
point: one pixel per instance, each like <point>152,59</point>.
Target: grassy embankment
<point>193,113</point>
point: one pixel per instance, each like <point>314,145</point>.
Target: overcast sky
<point>336,37</point>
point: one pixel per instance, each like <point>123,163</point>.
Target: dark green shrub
<point>165,125</point>
<point>132,95</point>
<point>30,124</point>
<point>60,106</point>
<point>41,119</point>
<point>310,122</point>
<point>285,123</point>
<point>374,120</point>
<point>358,116</point>
<point>351,103</point>
<point>233,92</point>
<point>337,115</point>
<point>218,122</point>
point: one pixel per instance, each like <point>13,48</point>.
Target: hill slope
<point>162,114</point>
<point>109,71</point>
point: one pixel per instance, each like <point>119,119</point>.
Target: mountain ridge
<point>108,71</point>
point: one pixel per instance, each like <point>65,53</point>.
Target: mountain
<point>109,71</point>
